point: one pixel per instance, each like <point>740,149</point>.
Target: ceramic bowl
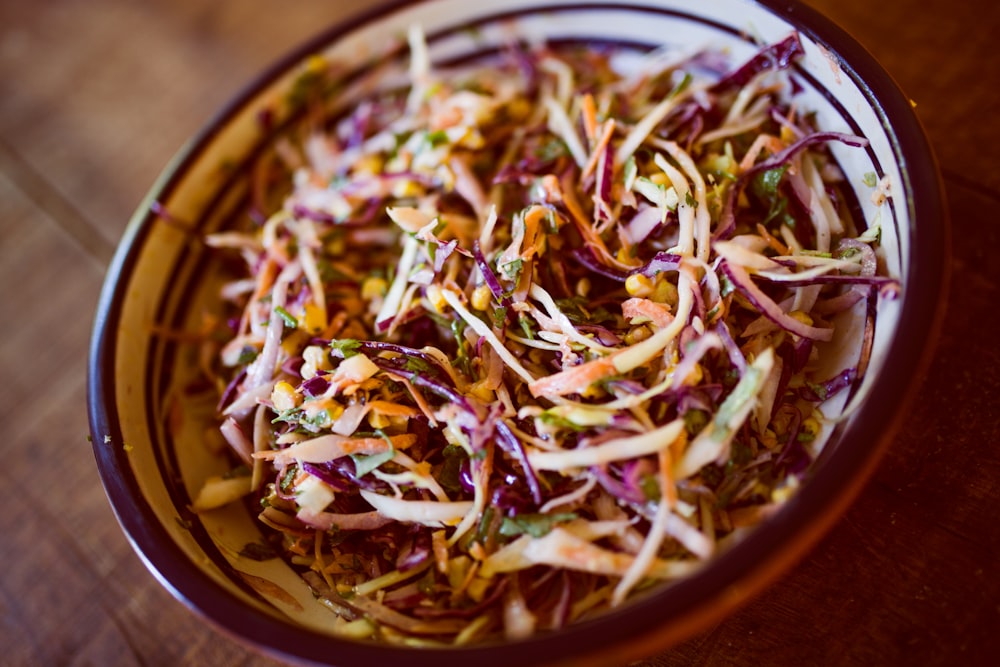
<point>147,439</point>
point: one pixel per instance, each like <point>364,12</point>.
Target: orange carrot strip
<point>602,144</point>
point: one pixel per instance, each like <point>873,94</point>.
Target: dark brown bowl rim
<point>648,624</point>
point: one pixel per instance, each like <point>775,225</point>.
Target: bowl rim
<point>649,623</point>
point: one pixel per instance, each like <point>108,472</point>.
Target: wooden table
<point>96,96</point>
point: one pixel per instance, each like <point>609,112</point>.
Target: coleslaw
<point>534,334</point>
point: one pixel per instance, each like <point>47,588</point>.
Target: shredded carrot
<point>589,113</point>
<point>484,316</point>
<point>773,242</point>
<point>574,379</point>
<point>668,487</point>
<point>768,141</point>
<point>638,309</point>
<point>608,129</point>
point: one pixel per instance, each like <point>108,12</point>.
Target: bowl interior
<point>149,428</point>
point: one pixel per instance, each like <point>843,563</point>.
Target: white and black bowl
<point>147,447</point>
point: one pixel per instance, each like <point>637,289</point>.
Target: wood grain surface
<point>96,96</point>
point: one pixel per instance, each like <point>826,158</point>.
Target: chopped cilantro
<point>290,321</point>
<point>526,327</point>
<point>348,347</point>
<point>451,470</point>
<point>681,85</point>
<point>437,138</point>
<point>258,551</point>
<point>695,421</point>
<point>553,419</point>
<point>285,484</point>
<point>512,270</point>
<point>290,415</point>
<point>631,171</point>
<point>650,487</point>
<point>553,149</point>
<point>499,317</point>
<point>536,525</point>
<point>247,355</point>
<point>765,187</point>
<point>365,464</point>
<point>417,365</point>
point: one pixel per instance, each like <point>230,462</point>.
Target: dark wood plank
<point>943,56</point>
<point>911,574</point>
<point>96,98</point>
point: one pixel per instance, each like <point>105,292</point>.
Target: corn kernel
<point>482,393</point>
<point>659,178</point>
<point>637,334</point>
<point>769,439</point>
<point>445,176</point>
<point>472,139</point>
<point>638,285</point>
<point>314,320</point>
<point>283,397</point>
<point>314,358</point>
<point>322,412</point>
<point>802,317</point>
<point>695,376</point>
<point>481,297</point>
<point>519,108</point>
<point>783,493</point>
<point>369,164</point>
<point>378,420</point>
<point>405,187</point>
<point>435,297</point>
<point>372,287</point>
<point>583,287</point>
<point>810,427</point>
<point>316,64</point>
<point>664,291</point>
<point>787,135</point>
<point>294,341</point>
<point>335,246</point>
<point>476,589</point>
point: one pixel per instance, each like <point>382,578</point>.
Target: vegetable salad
<point>533,334</point>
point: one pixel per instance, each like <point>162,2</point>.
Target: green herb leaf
<point>553,149</point>
<point>682,85</point>
<point>526,327</point>
<point>290,321</point>
<point>285,484</point>
<point>695,421</point>
<point>437,138</point>
<point>365,464</point>
<point>499,317</point>
<point>451,470</point>
<point>348,347</point>
<point>553,419</point>
<point>650,487</point>
<point>247,355</point>
<point>631,171</point>
<point>536,525</point>
<point>417,365</point>
<point>765,187</point>
<point>512,270</point>
<point>258,551</point>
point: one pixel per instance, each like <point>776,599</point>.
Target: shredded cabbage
<point>531,335</point>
